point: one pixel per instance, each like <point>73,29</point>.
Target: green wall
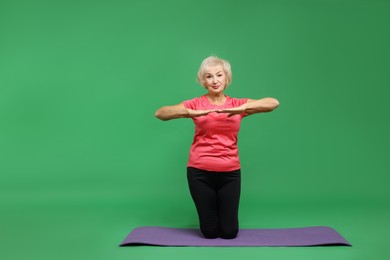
<point>80,81</point>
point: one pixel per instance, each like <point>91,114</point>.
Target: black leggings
<point>216,196</point>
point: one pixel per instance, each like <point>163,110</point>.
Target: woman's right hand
<point>197,113</point>
<point>179,111</point>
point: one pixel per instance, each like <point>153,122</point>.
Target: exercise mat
<point>306,236</point>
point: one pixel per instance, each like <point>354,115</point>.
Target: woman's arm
<point>253,106</point>
<point>178,111</point>
<point>260,106</point>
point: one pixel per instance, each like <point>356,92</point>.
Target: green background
<point>83,161</point>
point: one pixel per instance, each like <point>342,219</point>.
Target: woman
<point>213,169</point>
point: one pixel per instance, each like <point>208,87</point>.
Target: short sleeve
<point>239,101</point>
<point>191,103</point>
<point>236,102</point>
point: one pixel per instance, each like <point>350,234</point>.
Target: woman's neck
<point>217,99</point>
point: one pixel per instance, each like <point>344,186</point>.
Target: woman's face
<point>215,79</point>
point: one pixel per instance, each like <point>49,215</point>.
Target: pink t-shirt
<point>215,141</point>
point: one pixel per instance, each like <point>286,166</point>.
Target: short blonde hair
<point>212,61</point>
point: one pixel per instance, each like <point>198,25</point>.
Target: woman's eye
<point>207,77</point>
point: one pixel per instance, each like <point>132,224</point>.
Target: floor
<point>70,229</point>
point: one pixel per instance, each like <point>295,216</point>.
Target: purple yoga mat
<point>307,236</point>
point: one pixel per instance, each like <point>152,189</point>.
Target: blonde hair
<point>213,61</point>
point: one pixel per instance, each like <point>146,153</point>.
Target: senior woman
<point>213,169</point>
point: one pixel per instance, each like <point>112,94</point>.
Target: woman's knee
<point>229,234</point>
<point>210,233</point>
